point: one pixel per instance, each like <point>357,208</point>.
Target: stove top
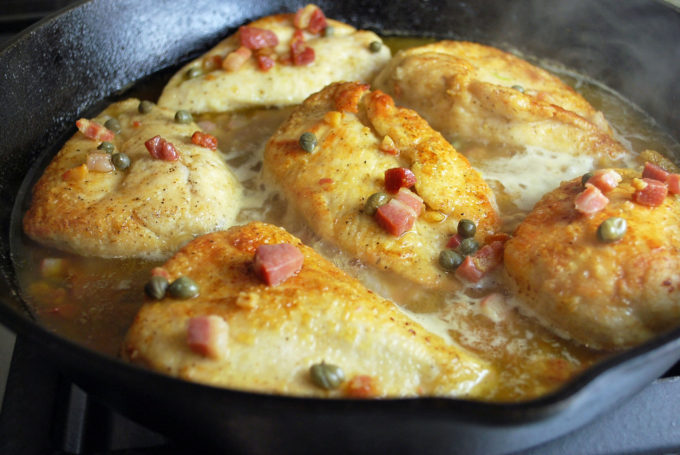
<point>44,413</point>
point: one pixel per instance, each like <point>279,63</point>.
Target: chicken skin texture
<point>344,55</point>
<point>148,210</point>
<point>473,92</point>
<point>330,186</point>
<point>603,295</point>
<point>274,334</point>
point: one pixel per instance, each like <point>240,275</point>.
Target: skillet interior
<point>99,48</point>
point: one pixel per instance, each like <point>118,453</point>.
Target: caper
<point>374,202</point>
<point>519,88</point>
<point>183,288</point>
<point>326,376</point>
<point>194,72</point>
<point>113,125</point>
<point>585,178</point>
<point>468,246</point>
<point>329,30</point>
<point>450,260</point>
<point>121,161</point>
<point>145,107</point>
<point>612,229</point>
<point>375,46</point>
<point>183,116</point>
<point>466,228</point>
<point>107,147</point>
<point>156,287</point>
<point>308,142</point>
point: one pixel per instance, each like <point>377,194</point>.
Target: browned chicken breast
<point>472,92</point>
<point>92,203</point>
<point>242,333</point>
<point>363,144</point>
<point>234,74</point>
<point>576,278</point>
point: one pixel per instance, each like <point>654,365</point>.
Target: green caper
<point>519,88</point>
<point>326,376</point>
<point>329,30</point>
<point>194,72</point>
<point>374,202</point>
<point>611,229</point>
<point>308,142</point>
<point>183,116</point>
<point>466,228</point>
<point>113,125</point>
<point>468,246</point>
<point>375,46</point>
<point>156,287</point>
<point>183,288</point>
<point>121,161</point>
<point>585,178</point>
<point>450,260</point>
<point>145,107</point>
<point>107,147</point>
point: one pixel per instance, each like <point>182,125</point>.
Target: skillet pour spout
<point>61,69</point>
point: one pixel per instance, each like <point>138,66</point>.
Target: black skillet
<point>68,63</point>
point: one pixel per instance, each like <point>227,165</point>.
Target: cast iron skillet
<point>66,64</point>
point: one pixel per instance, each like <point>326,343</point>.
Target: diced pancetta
<point>411,199</point>
<point>468,270</point>
<point>235,59</point>
<point>257,38</point>
<point>204,140</point>
<point>395,217</point>
<point>653,193</point>
<point>208,336</point>
<point>673,182</point>
<point>605,179</point>
<point>274,264</point>
<point>652,171</point>
<point>399,177</point>
<point>99,162</point>
<point>591,200</point>
<point>161,149</point>
<point>93,130</point>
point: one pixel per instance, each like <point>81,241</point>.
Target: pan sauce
<point>93,301</point>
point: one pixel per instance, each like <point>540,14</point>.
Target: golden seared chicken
<point>132,184</point>
<point>243,333</point>
<point>276,61</point>
<point>473,92</point>
<point>600,263</point>
<point>377,181</point>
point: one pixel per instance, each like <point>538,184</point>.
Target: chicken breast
<point>473,92</point>
<point>360,135</point>
<point>266,338</point>
<point>604,295</point>
<point>343,55</point>
<point>149,209</point>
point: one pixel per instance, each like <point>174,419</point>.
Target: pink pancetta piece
<point>411,199</point>
<point>591,200</point>
<point>653,194</point>
<point>652,171</point>
<point>605,179</point>
<point>161,149</point>
<point>208,336</point>
<point>673,183</point>
<point>257,38</point>
<point>469,271</point>
<point>274,264</point>
<point>235,59</point>
<point>93,130</point>
<point>395,217</point>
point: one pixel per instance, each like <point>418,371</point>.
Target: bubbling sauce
<point>93,301</point>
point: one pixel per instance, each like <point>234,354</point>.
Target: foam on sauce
<point>93,301</point>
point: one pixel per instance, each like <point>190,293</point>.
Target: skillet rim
<point>433,407</point>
